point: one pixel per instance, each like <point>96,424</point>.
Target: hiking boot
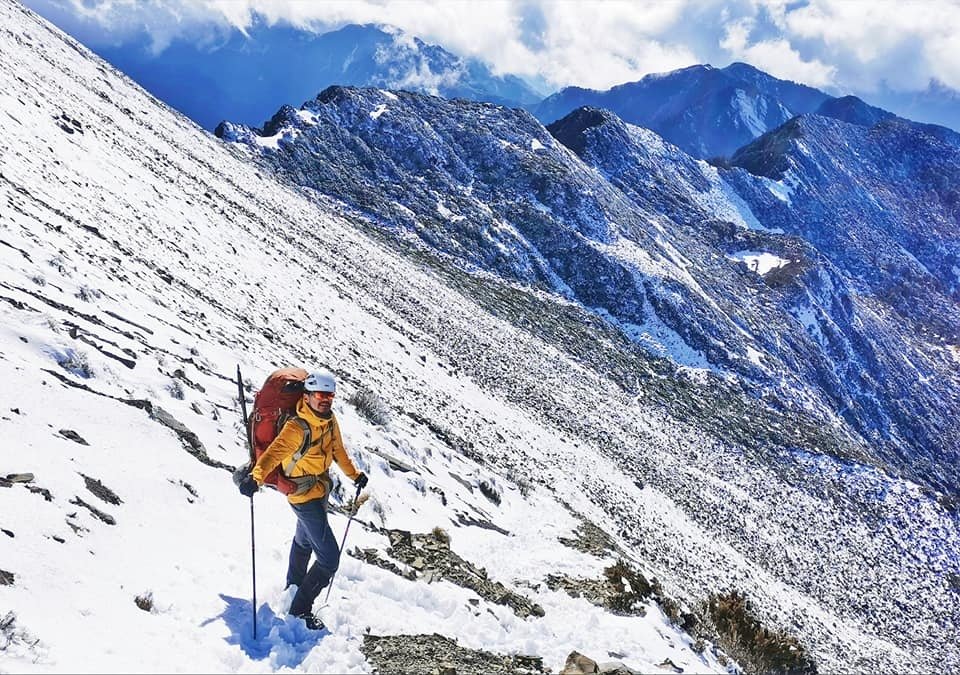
<point>313,623</point>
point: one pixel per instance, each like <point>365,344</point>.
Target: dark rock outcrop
<point>439,655</point>
<point>430,557</point>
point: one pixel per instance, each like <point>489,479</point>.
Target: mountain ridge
<point>705,111</point>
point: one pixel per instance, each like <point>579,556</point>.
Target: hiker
<point>309,502</point>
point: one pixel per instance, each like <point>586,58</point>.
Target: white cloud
<point>606,43</point>
<point>594,44</point>
<point>841,44</point>
<point>118,21</point>
<point>942,50</point>
<point>903,43</point>
<point>777,57</point>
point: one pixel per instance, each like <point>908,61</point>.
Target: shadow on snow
<point>286,641</point>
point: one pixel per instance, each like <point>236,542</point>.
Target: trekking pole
<point>353,512</point>
<point>253,539</point>
<point>253,558</point>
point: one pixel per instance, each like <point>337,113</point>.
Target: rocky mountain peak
<point>284,117</point>
<point>853,110</point>
<point>706,111</point>
<point>768,155</point>
<point>570,130</point>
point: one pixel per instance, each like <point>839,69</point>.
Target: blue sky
<point>877,50</point>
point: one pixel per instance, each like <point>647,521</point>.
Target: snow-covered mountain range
<point>549,424</point>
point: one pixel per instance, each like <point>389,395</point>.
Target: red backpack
<point>273,405</point>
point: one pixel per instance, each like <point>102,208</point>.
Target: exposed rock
<point>953,580</point>
<point>189,488</point>
<point>12,634</point>
<point>180,375</point>
<point>591,539</point>
<point>469,521</point>
<point>595,591</point>
<point>78,530</point>
<point>436,654</point>
<point>670,666</point>
<point>191,442</point>
<point>429,553</point>
<point>623,591</point>
<point>144,601</point>
<point>19,477</point>
<point>73,436</point>
<point>578,664</point>
<point>730,620</point>
<point>490,491</point>
<point>100,515</point>
<point>101,490</point>
<point>394,463</point>
<point>41,491</point>
<point>371,556</point>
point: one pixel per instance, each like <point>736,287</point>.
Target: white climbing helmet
<point>322,380</point>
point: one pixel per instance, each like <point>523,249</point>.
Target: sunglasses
<point>321,394</point>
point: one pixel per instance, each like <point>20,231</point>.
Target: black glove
<point>361,481</point>
<point>248,486</point>
<point>241,472</point>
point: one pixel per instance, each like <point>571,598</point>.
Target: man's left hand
<point>361,481</point>
<point>248,486</point>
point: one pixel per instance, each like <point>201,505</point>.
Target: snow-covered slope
<point>139,269</point>
<point>864,223</point>
<point>142,260</point>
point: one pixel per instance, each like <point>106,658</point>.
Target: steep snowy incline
<point>137,271</point>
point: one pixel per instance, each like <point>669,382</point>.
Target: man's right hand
<point>248,486</point>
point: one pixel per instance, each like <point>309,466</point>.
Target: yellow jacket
<point>317,459</point>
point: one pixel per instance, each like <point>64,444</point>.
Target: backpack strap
<point>306,444</point>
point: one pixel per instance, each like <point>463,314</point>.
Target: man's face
<point>320,401</point>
